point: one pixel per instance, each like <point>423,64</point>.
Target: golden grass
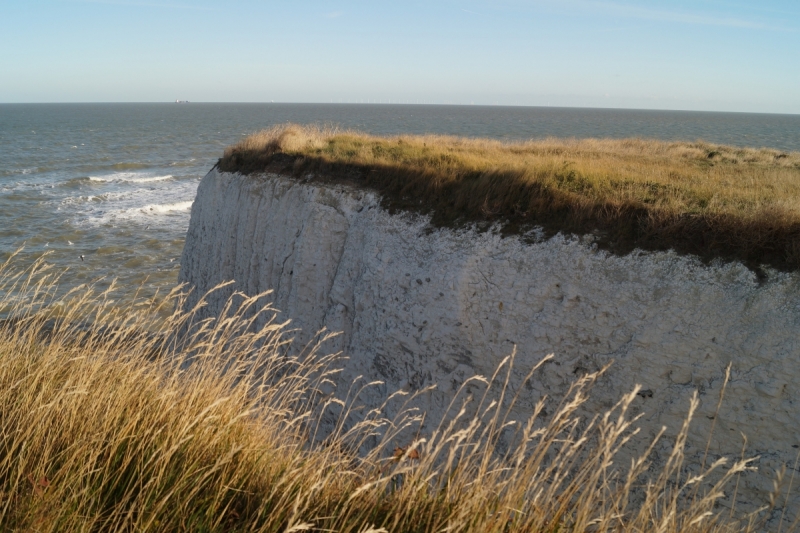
<point>110,429</point>
<point>700,198</point>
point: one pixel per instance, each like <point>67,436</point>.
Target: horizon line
<point>542,106</point>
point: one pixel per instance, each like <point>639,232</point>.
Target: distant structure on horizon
<point>181,101</point>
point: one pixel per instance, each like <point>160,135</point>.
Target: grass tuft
<point>710,200</point>
<point>131,425</point>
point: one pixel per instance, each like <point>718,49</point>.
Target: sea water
<point>114,183</point>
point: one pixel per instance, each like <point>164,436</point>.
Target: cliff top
<point>710,200</point>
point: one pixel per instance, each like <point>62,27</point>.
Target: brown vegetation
<point>710,200</point>
<point>128,432</point>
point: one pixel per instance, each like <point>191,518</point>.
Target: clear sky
<point>738,55</point>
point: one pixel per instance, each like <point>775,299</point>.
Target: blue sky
<point>671,54</point>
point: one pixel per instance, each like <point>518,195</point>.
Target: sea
<point>104,191</point>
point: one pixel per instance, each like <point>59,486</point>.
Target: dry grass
<point>121,431</point>
<point>700,198</point>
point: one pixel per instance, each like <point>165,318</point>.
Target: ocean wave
<point>31,184</point>
<point>129,177</point>
<point>77,182</point>
<point>166,208</point>
<point>149,213</point>
<point>148,180</point>
<point>19,171</point>
<point>104,197</point>
<point>186,163</point>
<point>71,200</point>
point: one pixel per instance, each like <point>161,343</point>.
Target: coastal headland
<point>436,257</point>
<point>424,334</point>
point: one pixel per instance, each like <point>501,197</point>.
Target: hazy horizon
<point>433,104</point>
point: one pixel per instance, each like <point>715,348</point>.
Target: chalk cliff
<point>418,306</point>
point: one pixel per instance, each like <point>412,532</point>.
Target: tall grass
<point>696,197</point>
<point>131,425</point>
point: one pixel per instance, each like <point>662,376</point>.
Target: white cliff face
<point>420,306</point>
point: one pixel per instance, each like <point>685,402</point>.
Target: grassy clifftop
<point>700,198</point>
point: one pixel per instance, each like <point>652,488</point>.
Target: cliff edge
<point>419,305</point>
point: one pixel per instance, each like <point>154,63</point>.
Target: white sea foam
<point>105,197</point>
<point>148,180</point>
<point>77,199</point>
<point>151,213</point>
<point>129,177</point>
<point>158,209</point>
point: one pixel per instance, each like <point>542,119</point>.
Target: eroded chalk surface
<point>419,306</point>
